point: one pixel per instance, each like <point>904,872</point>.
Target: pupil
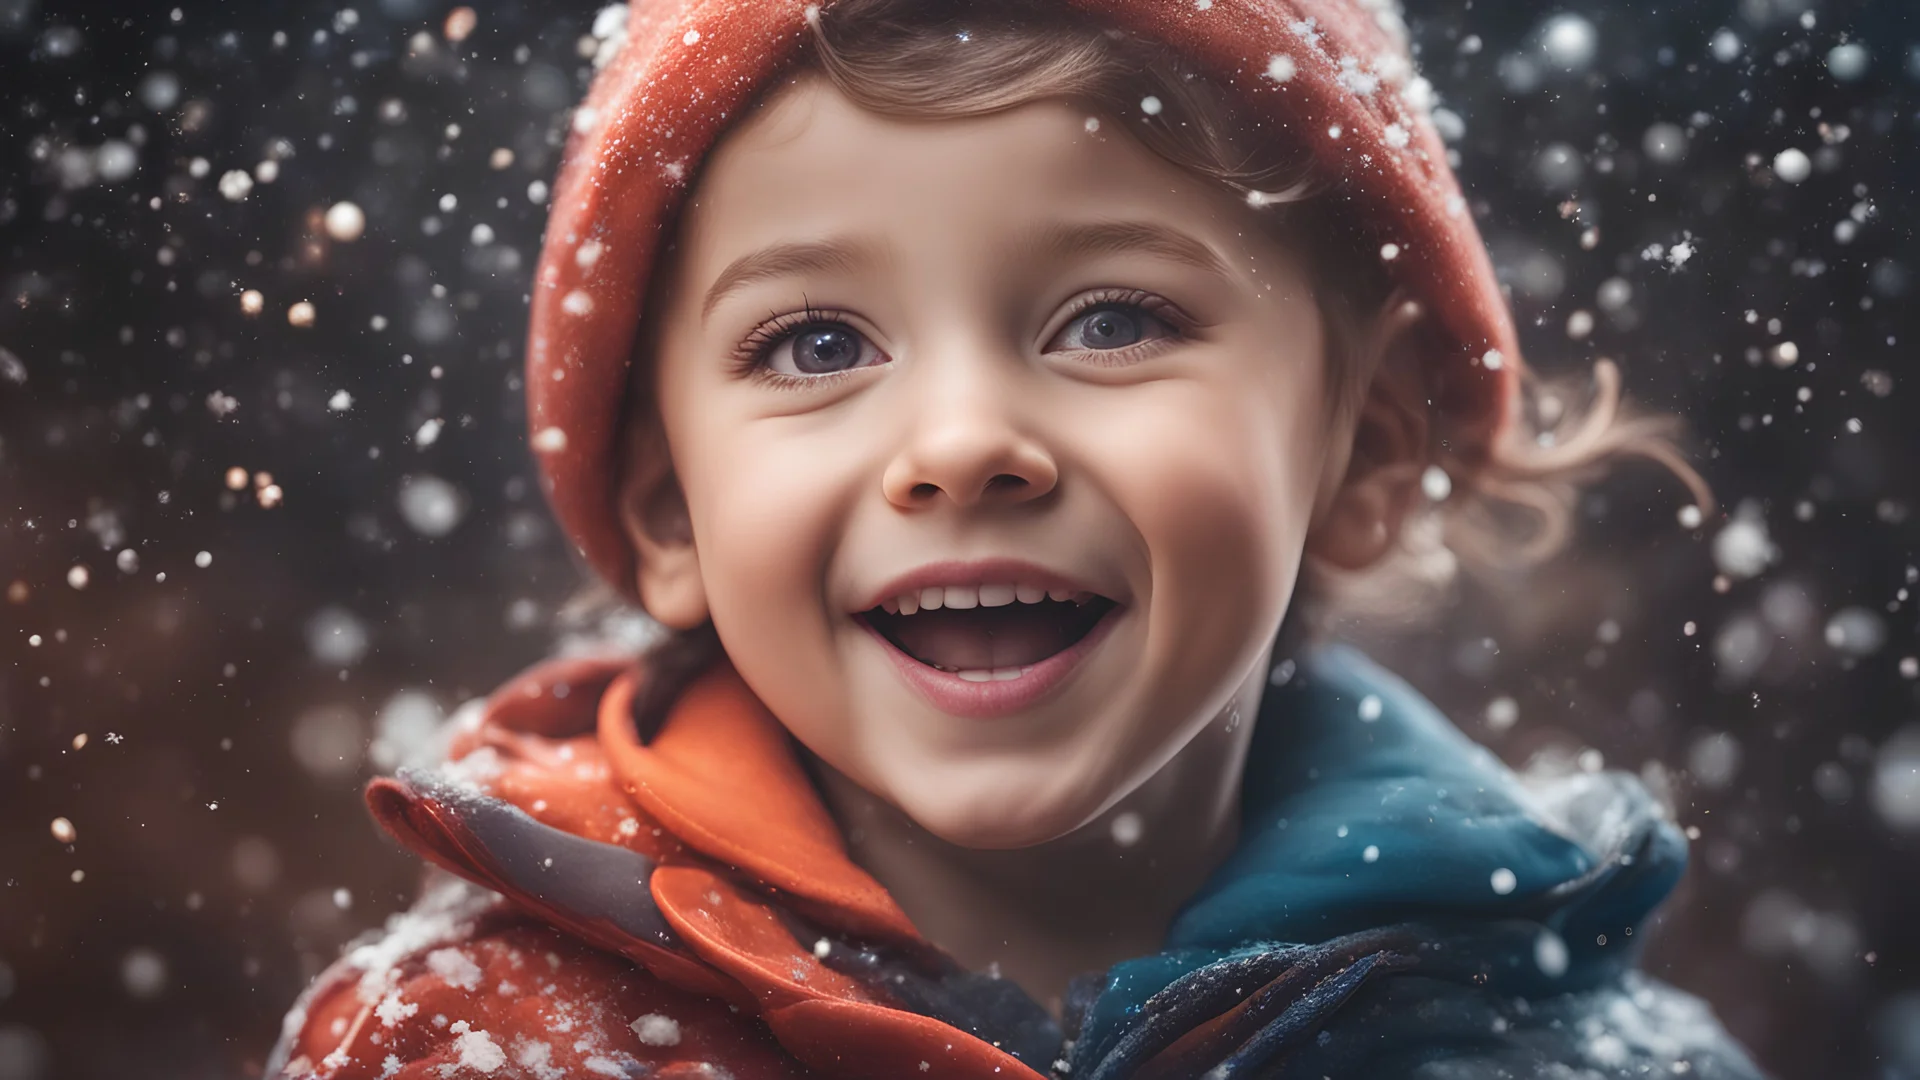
<point>1111,330</point>
<point>827,349</point>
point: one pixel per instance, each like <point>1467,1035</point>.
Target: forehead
<point>811,164</point>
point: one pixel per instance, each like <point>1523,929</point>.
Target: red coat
<point>652,903</point>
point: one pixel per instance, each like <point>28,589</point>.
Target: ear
<point>1373,482</point>
<point>653,513</point>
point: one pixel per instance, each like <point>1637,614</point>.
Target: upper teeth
<point>962,597</point>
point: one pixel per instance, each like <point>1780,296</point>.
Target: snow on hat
<point>1336,73</point>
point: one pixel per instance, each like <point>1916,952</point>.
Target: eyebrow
<point>782,260</point>
<point>1092,238</point>
<point>1122,237</point>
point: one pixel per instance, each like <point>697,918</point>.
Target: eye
<point>820,348</point>
<point>1110,325</point>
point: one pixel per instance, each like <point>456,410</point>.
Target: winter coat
<point>1401,905</point>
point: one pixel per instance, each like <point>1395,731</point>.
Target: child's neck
<point>1081,903</point>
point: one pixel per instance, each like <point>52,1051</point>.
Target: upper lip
<point>979,572</point>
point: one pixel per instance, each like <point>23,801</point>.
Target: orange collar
<point>723,777</point>
<point>719,802</point>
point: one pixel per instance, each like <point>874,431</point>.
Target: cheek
<point>1219,485</point>
<point>770,507</point>
<point>765,519</point>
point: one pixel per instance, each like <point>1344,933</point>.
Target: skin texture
<point>1186,477</point>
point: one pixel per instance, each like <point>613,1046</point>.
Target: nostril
<point>1005,482</point>
<point>998,484</point>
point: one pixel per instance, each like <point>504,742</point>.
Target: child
<point>967,387</point>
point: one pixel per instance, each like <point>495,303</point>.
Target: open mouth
<point>988,634</point>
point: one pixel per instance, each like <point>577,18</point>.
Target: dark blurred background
<point>266,513</point>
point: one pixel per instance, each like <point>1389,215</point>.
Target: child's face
<point>1003,355</point>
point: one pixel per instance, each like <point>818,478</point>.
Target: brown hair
<point>932,59</point>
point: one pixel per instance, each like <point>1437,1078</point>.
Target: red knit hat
<point>1334,72</point>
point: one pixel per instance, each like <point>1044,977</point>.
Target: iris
<point>822,349</point>
<point>1109,328</point>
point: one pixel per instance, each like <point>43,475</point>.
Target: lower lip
<point>956,696</point>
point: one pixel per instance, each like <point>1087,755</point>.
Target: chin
<point>995,819</point>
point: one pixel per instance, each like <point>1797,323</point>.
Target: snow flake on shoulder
<point>472,772</point>
<point>655,1029</point>
<point>444,914</point>
<point>392,1009</point>
<point>536,1056</point>
<point>476,1050</point>
<point>455,968</point>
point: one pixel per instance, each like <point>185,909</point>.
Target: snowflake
<point>392,1010</point>
<point>1355,78</point>
<point>657,1030</point>
<point>479,1052</point>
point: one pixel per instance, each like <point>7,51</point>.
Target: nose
<point>965,443</point>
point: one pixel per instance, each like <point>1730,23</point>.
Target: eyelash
<point>750,356</point>
<point>1157,306</point>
